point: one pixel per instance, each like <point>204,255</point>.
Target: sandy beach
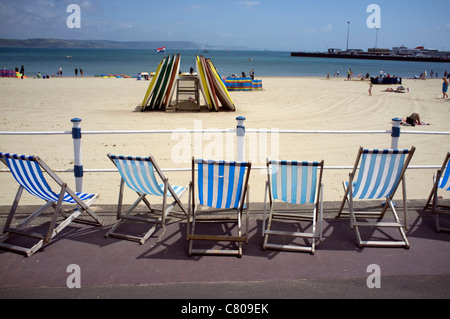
<point>284,103</point>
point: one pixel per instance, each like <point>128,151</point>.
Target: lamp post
<point>376,39</point>
<point>348,32</point>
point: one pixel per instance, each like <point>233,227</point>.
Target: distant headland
<point>97,44</point>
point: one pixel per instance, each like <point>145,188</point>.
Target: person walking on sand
<point>370,90</point>
<point>22,71</point>
<point>444,88</point>
<point>76,72</point>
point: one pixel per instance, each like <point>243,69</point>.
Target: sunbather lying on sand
<point>413,120</point>
<point>400,89</point>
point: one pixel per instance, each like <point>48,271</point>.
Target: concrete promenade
<point>161,269</point>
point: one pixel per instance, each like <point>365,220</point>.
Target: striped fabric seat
<point>139,175</point>
<point>28,173</point>
<point>294,182</point>
<point>441,180</point>
<point>220,184</point>
<point>222,190</point>
<point>379,173</point>
<point>444,181</point>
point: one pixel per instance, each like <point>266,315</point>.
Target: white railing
<point>240,132</point>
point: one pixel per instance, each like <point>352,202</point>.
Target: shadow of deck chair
<point>138,173</point>
<point>379,176</point>
<point>29,171</point>
<point>299,184</point>
<point>441,180</point>
<point>222,190</point>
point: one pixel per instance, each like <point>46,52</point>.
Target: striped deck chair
<point>299,184</point>
<point>440,181</point>
<point>138,173</point>
<point>222,189</point>
<point>29,173</point>
<point>379,176</point>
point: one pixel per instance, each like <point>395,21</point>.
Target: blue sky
<point>289,25</point>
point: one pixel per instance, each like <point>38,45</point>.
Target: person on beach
<point>81,72</point>
<point>76,72</point>
<point>22,72</point>
<point>60,72</point>
<point>370,90</point>
<point>444,88</point>
<point>413,120</point>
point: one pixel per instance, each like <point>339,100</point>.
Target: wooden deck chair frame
<point>29,173</point>
<point>233,199</point>
<point>296,183</point>
<point>389,193</point>
<point>143,181</point>
<point>440,180</point>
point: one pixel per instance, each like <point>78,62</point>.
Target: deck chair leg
<point>269,225</point>
<point>246,215</point>
<point>13,208</point>
<point>434,189</point>
<point>344,199</point>
<point>192,231</point>
<point>405,204</point>
<point>188,223</point>
<point>164,204</point>
<point>265,209</point>
<point>55,214</point>
<point>321,214</point>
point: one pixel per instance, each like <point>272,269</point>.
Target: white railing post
<point>240,134</point>
<point>395,132</point>
<point>78,161</point>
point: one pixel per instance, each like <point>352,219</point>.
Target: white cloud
<point>327,28</point>
<point>248,4</point>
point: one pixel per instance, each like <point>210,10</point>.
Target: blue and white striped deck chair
<point>298,184</point>
<point>221,188</point>
<point>138,173</point>
<point>29,171</point>
<point>379,175</point>
<point>441,180</point>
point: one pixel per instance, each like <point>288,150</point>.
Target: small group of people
<point>251,74</point>
<point>22,71</point>
<point>243,75</point>
<point>76,72</point>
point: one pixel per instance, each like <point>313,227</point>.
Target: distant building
<point>334,51</point>
<point>379,51</point>
<point>354,51</point>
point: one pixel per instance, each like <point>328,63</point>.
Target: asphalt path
<point>161,270</point>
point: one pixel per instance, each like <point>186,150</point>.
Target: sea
<point>96,62</point>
